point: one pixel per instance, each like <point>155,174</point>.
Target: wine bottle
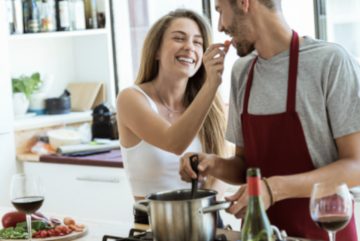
<point>256,225</point>
<point>91,14</point>
<point>32,16</point>
<point>62,15</point>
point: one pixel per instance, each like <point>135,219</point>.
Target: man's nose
<point>220,26</point>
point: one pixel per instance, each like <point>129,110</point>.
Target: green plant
<point>27,84</point>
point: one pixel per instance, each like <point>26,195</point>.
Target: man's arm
<point>230,170</point>
<point>346,170</point>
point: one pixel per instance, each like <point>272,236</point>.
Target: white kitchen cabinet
<point>7,166</point>
<point>91,192</point>
<point>7,146</point>
<point>66,57</point>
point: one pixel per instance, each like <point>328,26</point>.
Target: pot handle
<point>218,206</point>
<point>139,205</point>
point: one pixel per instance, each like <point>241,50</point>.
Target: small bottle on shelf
<point>63,15</point>
<point>48,16</point>
<point>91,14</point>
<point>256,225</point>
<point>10,16</point>
<point>18,17</point>
<point>31,16</point>
<point>77,14</point>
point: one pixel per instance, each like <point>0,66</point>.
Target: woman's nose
<point>189,46</point>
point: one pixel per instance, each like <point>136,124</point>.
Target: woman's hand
<point>213,60</point>
<point>206,165</point>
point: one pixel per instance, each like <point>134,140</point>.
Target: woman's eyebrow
<point>183,33</point>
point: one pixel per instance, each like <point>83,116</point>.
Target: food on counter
<point>60,230</point>
<point>10,219</point>
<point>20,230</point>
<point>14,224</point>
<point>73,225</point>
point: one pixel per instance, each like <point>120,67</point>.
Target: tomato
<point>12,218</point>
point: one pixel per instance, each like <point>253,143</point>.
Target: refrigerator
<point>7,143</point>
<point>339,22</point>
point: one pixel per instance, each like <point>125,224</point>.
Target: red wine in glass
<point>332,222</point>
<point>26,196</point>
<point>28,204</point>
<point>331,207</point>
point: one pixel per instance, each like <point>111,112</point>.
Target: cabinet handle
<point>99,179</point>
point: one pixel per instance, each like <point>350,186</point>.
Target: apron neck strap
<point>293,69</point>
<point>248,85</point>
<point>292,77</point>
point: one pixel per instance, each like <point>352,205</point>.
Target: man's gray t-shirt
<point>327,95</point>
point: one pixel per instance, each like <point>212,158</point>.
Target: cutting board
<point>71,236</point>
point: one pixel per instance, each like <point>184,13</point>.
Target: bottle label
<point>253,184</point>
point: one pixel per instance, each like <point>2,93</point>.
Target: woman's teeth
<point>186,60</point>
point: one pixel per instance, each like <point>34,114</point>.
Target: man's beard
<point>238,28</point>
<point>244,48</point>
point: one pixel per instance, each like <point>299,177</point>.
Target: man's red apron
<point>276,144</point>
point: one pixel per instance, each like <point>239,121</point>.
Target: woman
<point>174,106</point>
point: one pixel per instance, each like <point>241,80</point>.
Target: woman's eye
<point>178,38</point>
<point>198,43</point>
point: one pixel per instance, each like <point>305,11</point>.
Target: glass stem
<point>332,235</point>
<point>28,224</point>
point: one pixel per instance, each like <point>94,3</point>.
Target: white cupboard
<point>7,146</point>
<point>89,192</point>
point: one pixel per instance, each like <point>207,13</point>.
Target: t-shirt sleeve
<point>234,131</point>
<point>343,95</point>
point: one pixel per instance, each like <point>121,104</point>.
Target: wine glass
<point>26,196</point>
<point>331,207</point>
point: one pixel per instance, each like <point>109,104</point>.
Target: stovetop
<point>137,234</point>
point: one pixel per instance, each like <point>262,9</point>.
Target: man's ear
<point>243,5</point>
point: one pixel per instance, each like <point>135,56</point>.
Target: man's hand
<point>240,200</point>
<point>206,165</point>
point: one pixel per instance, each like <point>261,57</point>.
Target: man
<point>294,112</point>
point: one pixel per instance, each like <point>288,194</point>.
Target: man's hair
<point>270,4</point>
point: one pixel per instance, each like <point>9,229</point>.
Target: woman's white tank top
<point>151,169</point>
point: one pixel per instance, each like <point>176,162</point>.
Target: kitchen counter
<point>98,228</point>
<point>108,159</point>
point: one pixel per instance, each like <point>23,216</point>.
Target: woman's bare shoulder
<point>130,99</point>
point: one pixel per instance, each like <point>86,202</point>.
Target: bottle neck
<point>253,186</point>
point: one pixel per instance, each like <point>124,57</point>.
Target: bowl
<point>63,137</point>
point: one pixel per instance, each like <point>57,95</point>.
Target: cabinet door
<point>7,167</point>
<point>84,191</point>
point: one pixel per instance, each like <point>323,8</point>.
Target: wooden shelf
<point>63,34</point>
<point>51,120</point>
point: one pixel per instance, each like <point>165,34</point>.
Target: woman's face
<point>181,50</point>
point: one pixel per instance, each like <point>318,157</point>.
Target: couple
<point>294,111</point>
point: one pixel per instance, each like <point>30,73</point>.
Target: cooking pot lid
<point>180,195</point>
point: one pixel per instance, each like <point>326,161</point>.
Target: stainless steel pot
<point>175,216</point>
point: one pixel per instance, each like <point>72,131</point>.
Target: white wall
<point>7,148</point>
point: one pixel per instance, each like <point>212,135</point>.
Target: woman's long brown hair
<point>213,130</point>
